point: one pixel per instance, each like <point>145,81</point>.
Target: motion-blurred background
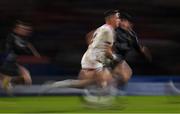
<point>60,27</point>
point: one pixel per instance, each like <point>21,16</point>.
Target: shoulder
<point>105,28</point>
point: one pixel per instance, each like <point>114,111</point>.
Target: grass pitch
<point>74,104</point>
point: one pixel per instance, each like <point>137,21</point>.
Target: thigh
<point>87,74</point>
<point>25,74</point>
<point>123,70</point>
<point>103,76</point>
<point>87,77</point>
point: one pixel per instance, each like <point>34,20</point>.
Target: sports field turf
<point>70,104</point>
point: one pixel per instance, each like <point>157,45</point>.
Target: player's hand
<point>146,52</point>
<point>108,51</point>
<point>33,50</point>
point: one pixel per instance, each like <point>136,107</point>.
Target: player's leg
<point>8,70</point>
<point>6,83</point>
<point>24,78</point>
<point>86,77</point>
<point>103,92</point>
<point>122,72</point>
<point>74,83</point>
<point>103,78</point>
<point>19,74</point>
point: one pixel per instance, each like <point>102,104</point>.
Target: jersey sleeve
<point>136,43</point>
<point>108,36</point>
<point>103,36</point>
<point>26,49</point>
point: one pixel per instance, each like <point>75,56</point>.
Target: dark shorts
<point>10,68</point>
<point>114,63</point>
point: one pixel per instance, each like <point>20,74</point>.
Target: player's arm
<point>89,37</point>
<point>140,48</point>
<point>109,45</point>
<point>146,53</point>
<point>33,50</point>
<point>110,54</point>
<point>108,50</point>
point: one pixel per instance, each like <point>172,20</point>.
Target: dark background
<point>60,27</point>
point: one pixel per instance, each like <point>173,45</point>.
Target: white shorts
<point>92,59</point>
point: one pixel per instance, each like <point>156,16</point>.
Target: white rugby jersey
<point>95,54</point>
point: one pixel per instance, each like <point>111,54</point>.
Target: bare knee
<point>123,72</point>
<point>126,77</point>
<point>128,74</point>
<point>25,74</point>
<point>103,78</point>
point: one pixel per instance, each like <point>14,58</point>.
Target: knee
<point>28,81</point>
<point>104,78</point>
<point>27,77</point>
<point>127,75</point>
<point>124,75</point>
<point>130,72</point>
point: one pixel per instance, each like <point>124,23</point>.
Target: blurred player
<point>126,40</point>
<point>93,61</point>
<point>16,43</point>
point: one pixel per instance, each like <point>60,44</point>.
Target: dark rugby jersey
<point>125,41</point>
<point>15,45</point>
